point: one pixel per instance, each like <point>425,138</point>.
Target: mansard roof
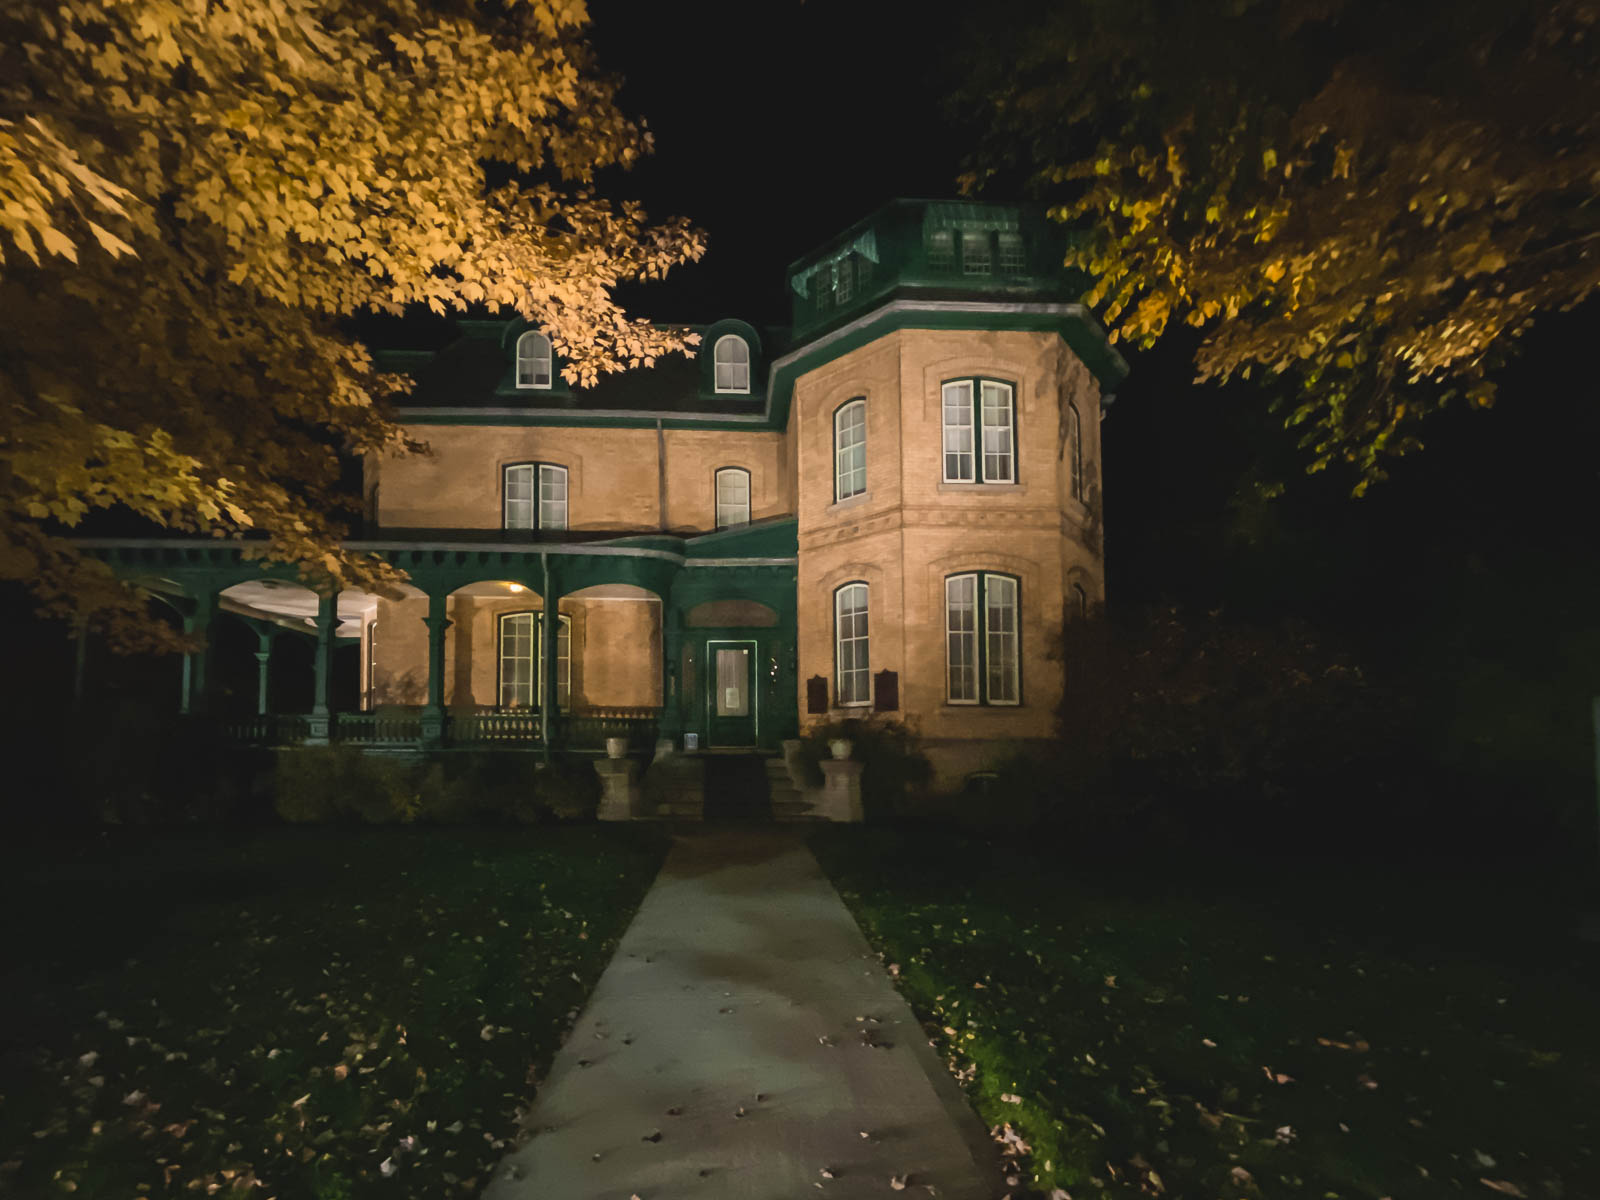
<point>923,264</point>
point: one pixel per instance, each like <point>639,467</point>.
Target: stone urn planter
<point>840,747</point>
<point>616,747</point>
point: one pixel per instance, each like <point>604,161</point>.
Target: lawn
<point>303,1014</point>
<point>1245,1031</point>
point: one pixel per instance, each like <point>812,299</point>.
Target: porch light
<point>516,587</point>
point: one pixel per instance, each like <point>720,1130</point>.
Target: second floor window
<point>533,360</point>
<point>733,497</point>
<point>731,361</point>
<point>979,431</point>
<point>853,674</point>
<point>535,496</point>
<point>982,639</point>
<point>850,450</point>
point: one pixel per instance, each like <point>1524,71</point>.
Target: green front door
<point>731,696</point>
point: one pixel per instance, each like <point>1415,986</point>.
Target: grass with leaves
<point>321,1014</point>
<point>1248,1031</point>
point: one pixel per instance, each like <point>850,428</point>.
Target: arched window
<point>533,360</point>
<point>522,658</point>
<point>535,496</point>
<point>1075,439</point>
<point>731,362</point>
<point>983,630</point>
<point>1080,600</point>
<point>850,450</point>
<point>853,674</point>
<point>980,428</point>
<point>733,497</point>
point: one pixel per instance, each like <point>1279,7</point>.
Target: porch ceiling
<point>277,600</point>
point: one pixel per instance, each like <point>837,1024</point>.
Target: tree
<point>1367,203</point>
<point>195,196</point>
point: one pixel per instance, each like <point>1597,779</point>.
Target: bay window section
<point>983,645</point>
<point>853,674</point>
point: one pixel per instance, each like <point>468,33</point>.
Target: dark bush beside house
<point>1187,727</point>
<point>322,784</point>
<point>145,767</point>
<point>895,773</point>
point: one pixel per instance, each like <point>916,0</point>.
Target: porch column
<point>197,664</point>
<point>264,637</point>
<point>549,631</point>
<point>321,724</point>
<point>671,672</point>
<point>433,712</point>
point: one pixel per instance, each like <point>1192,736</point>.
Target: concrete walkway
<point>739,1045</point>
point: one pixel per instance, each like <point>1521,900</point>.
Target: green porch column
<point>433,712</point>
<point>197,665</point>
<point>549,632</point>
<point>671,673</point>
<point>321,724</point>
<point>264,637</point>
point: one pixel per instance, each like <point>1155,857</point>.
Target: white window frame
<point>852,686</point>
<point>533,687</point>
<point>977,252</point>
<point>544,504</point>
<point>737,362</point>
<point>968,639</point>
<point>981,642</point>
<point>999,436</point>
<point>958,431</point>
<point>732,510</point>
<point>541,361</point>
<point>850,461</point>
<point>1013,256</point>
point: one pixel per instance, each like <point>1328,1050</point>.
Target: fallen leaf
<point>1503,1186</point>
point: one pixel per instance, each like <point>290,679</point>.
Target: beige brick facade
<point>903,537</point>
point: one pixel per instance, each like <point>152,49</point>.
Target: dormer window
<point>533,360</point>
<point>731,361</point>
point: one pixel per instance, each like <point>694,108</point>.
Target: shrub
<point>893,767</point>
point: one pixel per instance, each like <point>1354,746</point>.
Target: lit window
<point>733,497</point>
<point>983,659</point>
<point>850,450</point>
<point>535,496</point>
<point>731,361</point>
<point>533,360</point>
<point>963,462</point>
<point>976,256</point>
<point>853,680</point>
<point>522,658</point>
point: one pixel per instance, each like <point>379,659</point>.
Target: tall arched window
<point>533,360</point>
<point>853,674</point>
<point>731,362</point>
<point>979,431</point>
<point>535,496</point>
<point>522,659</point>
<point>733,497</point>
<point>1080,600</point>
<point>850,450</point>
<point>983,632</point>
<point>1075,439</point>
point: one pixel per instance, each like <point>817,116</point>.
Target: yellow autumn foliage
<point>195,196</point>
